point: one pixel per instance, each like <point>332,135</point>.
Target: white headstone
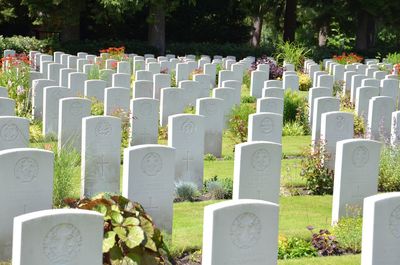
<point>27,186</point>
<point>171,102</point>
<point>189,163</point>
<point>148,178</point>
<point>380,232</point>
<point>121,80</point>
<point>228,95</point>
<point>51,98</point>
<point>335,126</point>
<point>380,117</point>
<point>116,101</point>
<point>95,89</point>
<point>265,126</point>
<point>144,121</point>
<point>356,175</point>
<point>14,132</point>
<point>76,82</point>
<point>257,82</point>
<point>212,110</point>
<point>71,112</point>
<point>37,96</point>
<point>257,171</point>
<point>61,236</point>
<point>270,104</point>
<point>101,151</point>
<point>240,232</point>
<point>160,81</point>
<point>320,106</point>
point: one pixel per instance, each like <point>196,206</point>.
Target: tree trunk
<point>323,35</point>
<point>71,24</point>
<point>256,32</point>
<point>289,26</point>
<point>156,30</point>
<point>366,33</point>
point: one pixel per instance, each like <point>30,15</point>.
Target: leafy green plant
<point>248,99</point>
<point>94,72</point>
<point>219,188</point>
<point>294,247</point>
<point>130,236</point>
<point>97,107</point>
<point>66,168</point>
<point>247,79</point>
<point>238,122</point>
<point>304,82</point>
<point>389,172</point>
<point>291,52</point>
<point>348,232</point>
<point>35,132</point>
<point>393,58</point>
<point>227,157</point>
<point>186,191</point>
<point>293,102</point>
<point>319,178</point>
<point>293,129</point>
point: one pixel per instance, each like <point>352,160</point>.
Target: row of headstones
<point>149,171</point>
<point>374,101</point>
<point>234,232</point>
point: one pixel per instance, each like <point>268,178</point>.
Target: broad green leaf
<point>128,261</point>
<point>147,227</point>
<point>135,237</point>
<point>131,221</point>
<point>135,257</point>
<point>116,217</point>
<point>109,241</point>
<point>121,232</point>
<point>151,245</point>
<point>116,253</point>
<point>101,209</point>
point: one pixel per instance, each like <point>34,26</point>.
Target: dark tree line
<point>313,22</point>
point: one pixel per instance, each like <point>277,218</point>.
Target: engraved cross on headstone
<point>187,159</point>
<point>102,163</point>
<point>150,204</point>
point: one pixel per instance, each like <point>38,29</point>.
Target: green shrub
<point>294,247</point>
<point>219,188</point>
<point>97,107</point>
<point>35,132</point>
<point>248,99</point>
<point>338,88</point>
<point>130,236</point>
<point>238,122</point>
<point>389,171</point>
<point>293,129</point>
<point>393,58</point>
<point>292,53</point>
<point>23,44</point>
<point>66,169</point>
<point>319,179</point>
<point>304,82</point>
<point>293,103</point>
<point>348,232</point>
<point>186,191</point>
<point>94,72</point>
<point>227,157</point>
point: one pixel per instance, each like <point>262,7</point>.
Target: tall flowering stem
<point>15,76</point>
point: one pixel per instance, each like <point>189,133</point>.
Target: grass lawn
<point>291,145</point>
<point>296,213</point>
<point>341,260</point>
<point>290,171</point>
